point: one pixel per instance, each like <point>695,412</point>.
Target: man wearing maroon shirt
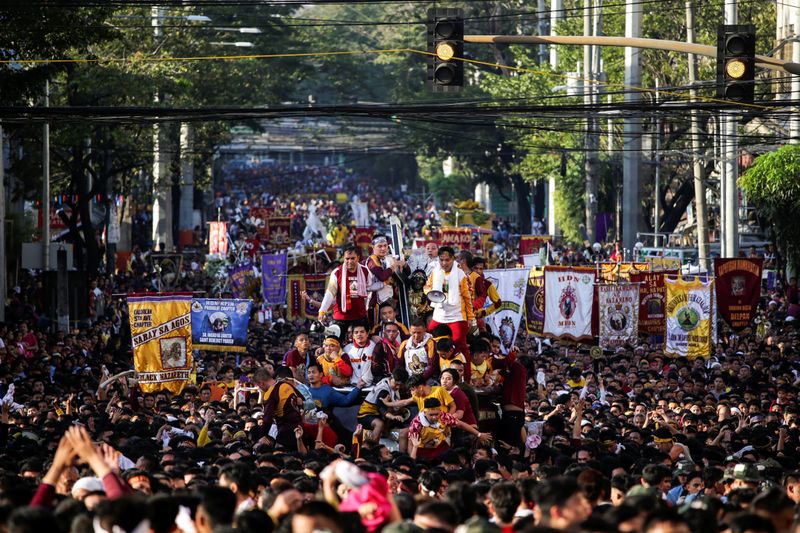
<point>296,357</point>
<point>515,378</point>
<point>382,266</point>
<point>347,293</point>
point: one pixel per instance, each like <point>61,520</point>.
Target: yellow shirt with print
<point>438,392</point>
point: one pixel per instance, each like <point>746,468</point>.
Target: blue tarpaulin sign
<point>220,325</point>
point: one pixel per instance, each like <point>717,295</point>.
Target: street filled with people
<point>355,414</point>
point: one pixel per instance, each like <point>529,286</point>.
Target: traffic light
<point>446,46</point>
<point>736,62</point>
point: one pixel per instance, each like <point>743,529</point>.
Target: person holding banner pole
<point>456,310</point>
<point>382,266</point>
<point>483,289</point>
<point>347,293</point>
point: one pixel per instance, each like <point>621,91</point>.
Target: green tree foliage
<point>772,184</point>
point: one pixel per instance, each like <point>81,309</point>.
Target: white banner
<point>568,301</point>
<point>511,285</point>
<point>619,315</point>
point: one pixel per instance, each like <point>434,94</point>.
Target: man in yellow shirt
<point>421,391</point>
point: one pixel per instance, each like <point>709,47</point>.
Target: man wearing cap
<point>346,293</point>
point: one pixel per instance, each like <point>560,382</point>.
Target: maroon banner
<point>738,286</point>
<point>278,229</point>
<point>315,287</point>
<point>362,238</point>
<point>460,238</point>
<point>652,296</point>
<point>261,214</point>
<point>530,244</point>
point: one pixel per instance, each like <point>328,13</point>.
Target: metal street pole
<point>186,215</point>
<point>700,210</point>
<point>3,250</point>
<point>730,131</point>
<point>556,16</point>
<point>657,158</point>
<point>632,128</point>
<point>45,209</point>
<point>590,160</point>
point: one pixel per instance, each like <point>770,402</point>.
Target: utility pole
<point>700,209</point>
<point>556,16</point>
<point>794,126</point>
<point>162,186</point>
<point>590,161</point>
<point>541,15</point>
<point>632,128</point>
<point>731,163</point>
<point>45,209</point>
<point>186,216</point>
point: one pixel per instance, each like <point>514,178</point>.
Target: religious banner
<point>161,335</point>
<point>362,238</point>
<point>258,217</point>
<point>661,264</point>
<point>217,238</point>
<point>273,278</point>
<point>619,315</point>
<point>569,299</point>
<point>220,325</point>
<point>534,302</point>
<point>315,287</point>
<point>241,279</point>
<point>278,231</point>
<point>652,299</point>
<point>690,316</point>
<point>294,307</point>
<point>530,244</point>
<point>611,272</point>
<point>511,284</point>
<point>460,238</point>
<point>738,288</point>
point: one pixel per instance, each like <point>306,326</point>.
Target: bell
<point>436,297</point>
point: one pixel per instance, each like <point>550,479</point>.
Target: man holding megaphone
<point>449,292</point>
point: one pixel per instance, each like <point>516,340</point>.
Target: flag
<point>738,289</point>
<point>619,315</point>
<point>511,284</point>
<point>530,244</point>
<point>273,278</point>
<point>652,298</point>
<point>569,299</point>
<point>534,302</point>
<point>690,313</point>
<point>240,279</point>
<point>220,325</point>
<point>217,238</point>
<point>161,335</point>
<point>258,217</point>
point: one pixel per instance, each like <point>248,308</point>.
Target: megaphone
<point>328,331</point>
<point>436,297</point>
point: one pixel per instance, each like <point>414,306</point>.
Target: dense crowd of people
<point>360,422</point>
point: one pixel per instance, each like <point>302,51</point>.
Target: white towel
<point>454,282</point>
